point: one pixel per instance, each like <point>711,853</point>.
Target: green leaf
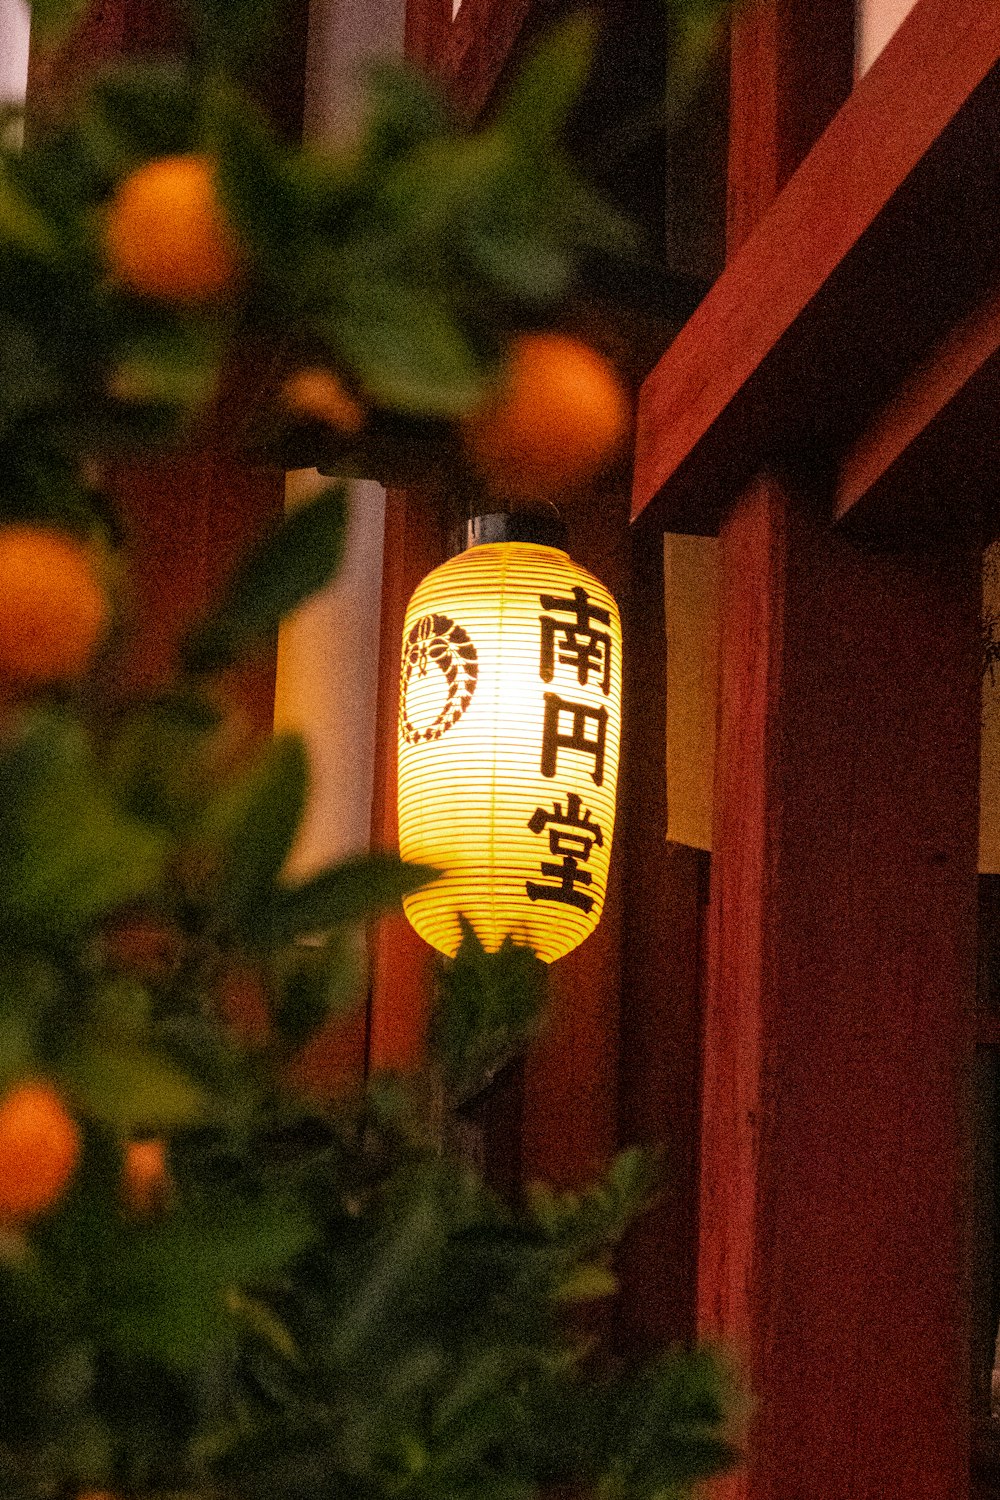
<point>403,110</point>
<point>52,19</point>
<point>487,1008</point>
<point>405,345</point>
<point>27,380</point>
<point>263,195</point>
<point>521,267</point>
<point>130,1090</point>
<point>667,1427</point>
<point>550,81</point>
<point>27,990</point>
<point>230,34</point>
<point>280,575</point>
<point>587,1222</point>
<point>252,824</point>
<point>68,854</point>
<point>145,109</point>
<point>22,225</point>
<point>261,1321</point>
<point>315,983</point>
<point>587,1283</point>
<point>698,29</point>
<point>487,198</point>
<point>168,1292</point>
<point>157,758</point>
<point>352,891</point>
<point>173,364</point>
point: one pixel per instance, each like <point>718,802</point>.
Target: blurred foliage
<point>320,1298</point>
<point>404,259</point>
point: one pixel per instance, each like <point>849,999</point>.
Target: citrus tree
<point>211,1280</point>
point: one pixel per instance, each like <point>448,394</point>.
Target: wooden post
<point>661,1009</point>
<point>792,69</point>
<point>839,1019</point>
<point>401,962</point>
<point>570,1097</point>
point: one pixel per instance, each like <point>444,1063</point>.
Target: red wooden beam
<point>883,238</point>
<point>570,1104</point>
<point>932,454</point>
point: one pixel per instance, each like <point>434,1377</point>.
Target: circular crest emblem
<point>435,641</point>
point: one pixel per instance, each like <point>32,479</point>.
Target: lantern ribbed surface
<point>509,733</point>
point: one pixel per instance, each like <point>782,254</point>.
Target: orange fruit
<point>554,423</point>
<point>317,395</point>
<point>166,235</point>
<point>52,608</point>
<point>145,1177</point>
<point>39,1150</point>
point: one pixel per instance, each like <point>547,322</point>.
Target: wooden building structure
<point>829,411</point>
<point>800,1024</point>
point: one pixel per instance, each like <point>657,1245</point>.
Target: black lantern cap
<point>544,528</point>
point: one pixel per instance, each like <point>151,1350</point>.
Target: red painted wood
<point>401,962</point>
<point>189,520</point>
<point>884,236</point>
<point>661,1011</point>
<point>469,52</point>
<point>108,30</point>
<point>570,1101</point>
<point>839,1027</point>
<point>569,1108</point>
<point>792,67</point>
<point>932,453</point>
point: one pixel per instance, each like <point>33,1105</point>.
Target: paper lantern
<point>509,732</point>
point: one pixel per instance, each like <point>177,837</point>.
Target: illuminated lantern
<point>509,732</point>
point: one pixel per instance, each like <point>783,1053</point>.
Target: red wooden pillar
<point>661,985</point>
<point>837,1037</point>
<point>838,1030</point>
<point>851,339</point>
<point>792,68</point>
<point>401,962</point>
<point>570,1101</point>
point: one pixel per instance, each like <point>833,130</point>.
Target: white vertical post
<point>15,27</point>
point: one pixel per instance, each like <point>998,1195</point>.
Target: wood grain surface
<point>838,1043</point>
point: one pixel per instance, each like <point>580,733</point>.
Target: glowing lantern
<point>509,731</point>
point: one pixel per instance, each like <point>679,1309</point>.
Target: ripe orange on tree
<point>165,233</point>
<point>145,1177</point>
<point>554,423</point>
<point>53,610</point>
<point>316,394</point>
<point>39,1150</point>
